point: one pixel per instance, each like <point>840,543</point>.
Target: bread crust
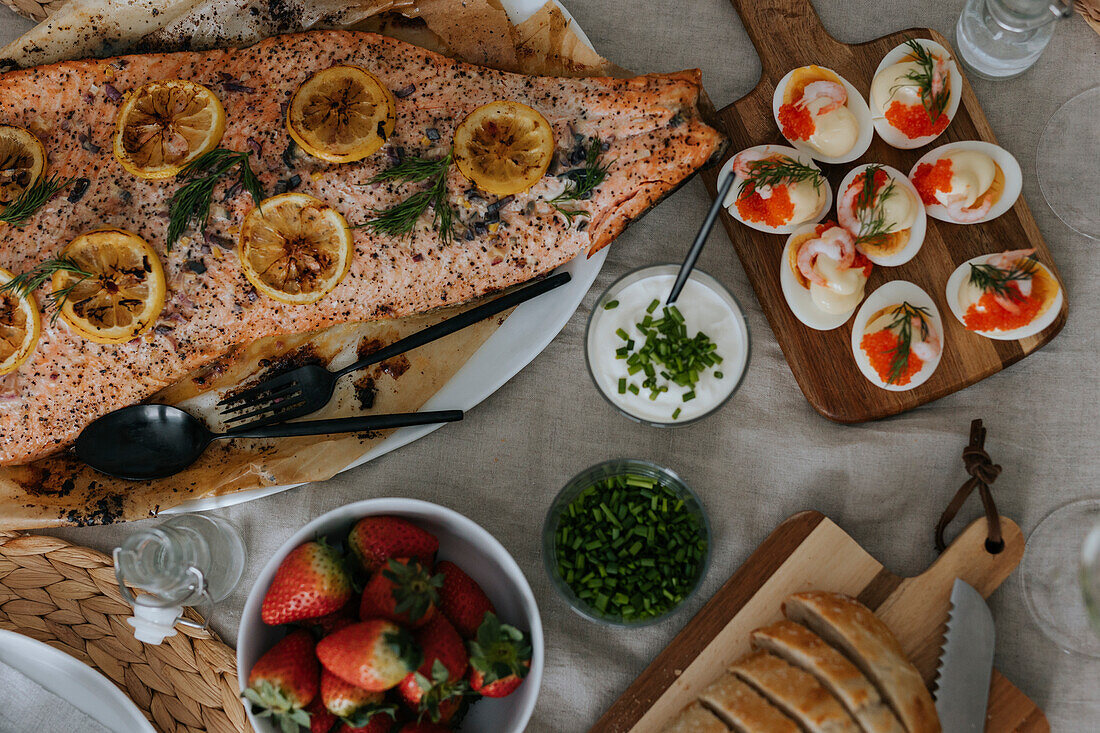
<point>867,642</point>
<point>803,648</point>
<point>795,692</point>
<point>743,709</point>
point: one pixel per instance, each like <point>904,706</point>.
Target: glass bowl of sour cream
<point>663,365</point>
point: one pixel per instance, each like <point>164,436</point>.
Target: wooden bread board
<point>809,552</point>
<point>788,34</point>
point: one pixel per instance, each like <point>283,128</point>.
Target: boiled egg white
<point>959,299</point>
<point>803,194</point>
<point>891,294</point>
<point>884,90</point>
<point>1013,177</point>
<point>907,209</point>
<point>838,127</point>
<point>801,299</point>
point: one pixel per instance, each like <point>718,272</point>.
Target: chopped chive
<point>622,385</point>
<point>610,304</point>
<point>629,547</point>
<point>676,413</point>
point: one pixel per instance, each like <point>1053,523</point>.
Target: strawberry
<point>374,540</point>
<point>352,704</point>
<point>500,658</point>
<point>440,677</point>
<point>320,719</point>
<point>311,582</point>
<point>405,592</point>
<point>285,680</point>
<point>374,655</point>
<point>462,600</point>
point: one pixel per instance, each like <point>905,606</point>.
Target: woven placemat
<point>36,11</point>
<point>67,596</point>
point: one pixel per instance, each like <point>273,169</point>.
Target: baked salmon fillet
<point>649,127</point>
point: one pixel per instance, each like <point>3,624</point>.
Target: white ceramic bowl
<point>462,541</point>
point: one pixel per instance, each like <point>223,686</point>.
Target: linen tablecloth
<point>767,454</point>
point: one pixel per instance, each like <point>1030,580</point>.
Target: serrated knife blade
<point>966,663</point>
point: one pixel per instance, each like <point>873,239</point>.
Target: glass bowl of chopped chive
<point>626,542</point>
<point>663,364</point>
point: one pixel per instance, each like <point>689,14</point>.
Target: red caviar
<point>913,121</point>
<point>989,315</point>
<point>928,179</point>
<point>880,347</point>
<point>775,211</point>
<point>796,122</point>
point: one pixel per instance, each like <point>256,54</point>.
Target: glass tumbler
<point>1000,39</point>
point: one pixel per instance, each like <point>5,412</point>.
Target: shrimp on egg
<point>822,114</point>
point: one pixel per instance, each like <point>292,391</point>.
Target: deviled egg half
<point>820,113</point>
<point>915,93</point>
<point>897,336</point>
<point>883,211</point>
<point>967,182</point>
<point>1004,296</point>
<point>776,189</point>
<point>823,275</point>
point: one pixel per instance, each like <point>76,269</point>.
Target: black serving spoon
<point>144,442</point>
<point>700,240</point>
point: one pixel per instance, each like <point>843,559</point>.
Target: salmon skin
<point>649,126</point>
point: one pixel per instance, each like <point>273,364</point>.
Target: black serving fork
<point>308,388</point>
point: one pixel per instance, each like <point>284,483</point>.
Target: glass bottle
<point>1000,39</point>
<point>187,560</point>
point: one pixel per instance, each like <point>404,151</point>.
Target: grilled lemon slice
<point>119,290</point>
<point>295,248</point>
<point>504,147</point>
<point>341,114</point>
<point>20,326</point>
<point>164,125</point>
<point>22,160</point>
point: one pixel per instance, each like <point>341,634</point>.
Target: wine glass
<point>1060,575</point>
<point>1066,163</point>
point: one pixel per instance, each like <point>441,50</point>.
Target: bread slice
<point>743,709</point>
<point>794,692</point>
<point>806,650</point>
<point>696,719</point>
<point>851,627</point>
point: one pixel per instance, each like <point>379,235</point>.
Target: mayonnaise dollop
<point>972,173</point>
<point>835,131</point>
<point>843,289</point>
<point>893,84</point>
<point>899,209</point>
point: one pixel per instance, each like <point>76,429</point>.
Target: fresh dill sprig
<point>33,198</point>
<point>399,219</point>
<point>26,283</point>
<point>778,171</point>
<point>191,203</point>
<point>903,326</point>
<point>581,182</point>
<point>871,208</point>
<point>996,279</point>
<point>934,104</point>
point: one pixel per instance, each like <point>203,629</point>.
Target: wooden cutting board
<point>788,34</point>
<point>810,552</point>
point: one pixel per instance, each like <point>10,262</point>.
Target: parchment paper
<point>59,490</point>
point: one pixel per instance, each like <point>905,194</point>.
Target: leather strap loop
<point>983,472</point>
